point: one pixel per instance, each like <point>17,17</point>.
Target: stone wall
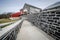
<point>49,22</point>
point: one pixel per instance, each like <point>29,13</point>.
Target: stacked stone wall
<point>49,22</point>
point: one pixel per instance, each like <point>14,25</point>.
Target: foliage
<point>5,15</point>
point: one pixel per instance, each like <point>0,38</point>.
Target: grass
<point>5,20</point>
<point>5,25</point>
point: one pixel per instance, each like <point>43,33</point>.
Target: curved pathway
<point>30,32</point>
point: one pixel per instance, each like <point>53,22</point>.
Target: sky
<point>16,5</point>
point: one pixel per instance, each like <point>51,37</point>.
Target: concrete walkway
<point>30,32</point>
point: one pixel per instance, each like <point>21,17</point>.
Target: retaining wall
<point>49,22</point>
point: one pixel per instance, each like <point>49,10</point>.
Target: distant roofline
<point>57,4</point>
<point>31,6</point>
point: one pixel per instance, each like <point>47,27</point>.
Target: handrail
<point>10,32</point>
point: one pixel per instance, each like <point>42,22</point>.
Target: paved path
<point>30,32</point>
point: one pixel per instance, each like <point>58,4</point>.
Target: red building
<point>16,15</point>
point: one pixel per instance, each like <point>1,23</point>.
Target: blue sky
<point>16,5</point>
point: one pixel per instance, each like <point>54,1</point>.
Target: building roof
<point>57,4</point>
<point>31,6</point>
<point>17,14</point>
